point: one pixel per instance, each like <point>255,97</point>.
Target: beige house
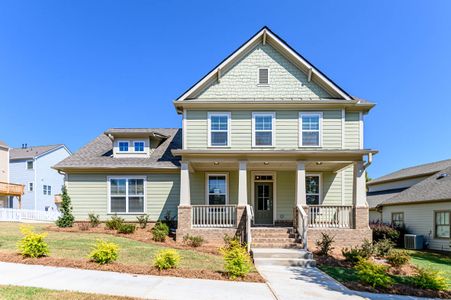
<point>267,141</point>
<point>7,189</point>
<point>419,198</point>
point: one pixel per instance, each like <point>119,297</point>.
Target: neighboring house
<point>7,189</point>
<point>264,131</point>
<point>418,197</point>
<point>32,167</point>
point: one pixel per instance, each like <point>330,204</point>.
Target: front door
<point>263,201</point>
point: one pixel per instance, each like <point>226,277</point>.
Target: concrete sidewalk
<point>120,284</point>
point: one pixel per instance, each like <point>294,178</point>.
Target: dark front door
<point>263,202</point>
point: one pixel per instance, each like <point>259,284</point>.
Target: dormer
<point>139,143</point>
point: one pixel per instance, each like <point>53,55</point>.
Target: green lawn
<point>78,245</point>
<point>9,292</point>
<point>432,260</point>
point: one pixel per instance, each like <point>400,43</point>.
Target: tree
<point>67,218</point>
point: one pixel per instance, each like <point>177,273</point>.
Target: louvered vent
<point>263,76</point>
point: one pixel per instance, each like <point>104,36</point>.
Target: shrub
<point>325,244</point>
<point>383,247</point>
<point>366,249</point>
<point>32,244</point>
<point>398,258</point>
<point>160,231</point>
<point>237,261</point>
<point>373,274</point>
<point>104,252</point>
<point>142,220</point>
<point>430,279</point>
<point>385,231</point>
<point>353,255</point>
<point>166,259</point>
<point>170,220</point>
<point>126,228</point>
<point>193,240</point>
<point>94,220</point>
<point>66,219</point>
<point>83,226</point>
<point>114,223</point>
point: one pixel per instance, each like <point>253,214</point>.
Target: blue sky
<point>71,69</point>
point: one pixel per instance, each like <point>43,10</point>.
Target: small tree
<point>67,218</point>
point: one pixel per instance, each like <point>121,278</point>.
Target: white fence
<point>18,215</point>
<point>330,216</point>
<point>213,216</point>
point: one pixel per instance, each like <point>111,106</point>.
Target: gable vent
<point>263,76</point>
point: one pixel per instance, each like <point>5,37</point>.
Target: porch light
<point>216,163</point>
<point>319,163</point>
<point>266,163</point>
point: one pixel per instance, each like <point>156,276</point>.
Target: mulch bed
<point>122,268</point>
<point>397,288</point>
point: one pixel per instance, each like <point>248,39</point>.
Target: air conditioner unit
<point>413,241</point>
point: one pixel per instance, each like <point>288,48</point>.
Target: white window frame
<point>258,76</point>
<point>127,178</point>
<point>32,164</point>
<point>119,146</point>
<point>144,146</point>
<point>221,114</point>
<point>320,130</point>
<point>320,194</point>
<point>207,190</point>
<point>273,123</point>
<point>30,186</point>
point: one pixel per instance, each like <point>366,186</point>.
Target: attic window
<point>263,76</point>
<point>123,146</point>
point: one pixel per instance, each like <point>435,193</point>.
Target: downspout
<point>369,161</point>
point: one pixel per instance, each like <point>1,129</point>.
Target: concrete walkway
<point>290,283</point>
<point>120,284</point>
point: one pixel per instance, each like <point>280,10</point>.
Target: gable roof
<point>415,171</point>
<point>3,145</point>
<point>374,199</point>
<point>265,35</point>
<point>33,151</point>
<point>98,154</point>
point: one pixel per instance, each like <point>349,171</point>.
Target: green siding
<point>286,195</point>
<point>352,130</point>
<point>198,184</point>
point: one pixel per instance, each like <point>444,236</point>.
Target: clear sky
<point>71,69</point>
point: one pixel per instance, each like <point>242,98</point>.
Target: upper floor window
<point>263,124</point>
<point>139,146</point>
<point>217,189</point>
<point>47,189</point>
<point>30,165</point>
<point>123,146</point>
<point>442,224</point>
<point>310,129</point>
<point>312,189</point>
<point>218,129</point>
<point>397,219</point>
<point>30,186</point>
<point>263,76</point>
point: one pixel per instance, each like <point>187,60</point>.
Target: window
<point>397,219</point>
<point>263,76</point>
<point>126,195</point>
<point>46,189</point>
<point>217,189</point>
<point>49,190</point>
<point>310,129</point>
<point>218,129</point>
<point>442,224</point>
<point>312,189</point>
<point>30,186</point>
<point>123,146</point>
<point>29,165</point>
<point>139,146</point>
<point>263,124</point>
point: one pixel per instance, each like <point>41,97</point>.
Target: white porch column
<point>300,184</point>
<point>242,183</point>
<point>185,194</point>
<point>359,185</point>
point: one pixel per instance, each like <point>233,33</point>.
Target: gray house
<point>32,167</point>
<point>418,197</point>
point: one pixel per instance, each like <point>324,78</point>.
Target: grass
<point>425,259</point>
<point>78,245</point>
<point>9,292</point>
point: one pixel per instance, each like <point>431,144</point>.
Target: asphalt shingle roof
<point>376,198</point>
<point>31,151</point>
<point>98,154</point>
<point>3,144</point>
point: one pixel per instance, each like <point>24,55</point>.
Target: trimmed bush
<point>398,258</point>
<point>430,279</point>
<point>373,274</point>
<point>94,220</point>
<point>383,247</point>
<point>193,240</point>
<point>104,252</point>
<point>166,259</point>
<point>237,261</point>
<point>160,231</point>
<point>143,220</point>
<point>114,223</point>
<point>325,244</point>
<point>126,228</point>
<point>32,244</point>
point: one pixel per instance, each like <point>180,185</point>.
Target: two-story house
<point>7,189</point>
<point>267,140</point>
<point>32,167</point>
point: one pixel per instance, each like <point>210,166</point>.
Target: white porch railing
<point>330,216</point>
<point>302,224</point>
<point>249,218</point>
<point>17,215</point>
<point>211,216</point>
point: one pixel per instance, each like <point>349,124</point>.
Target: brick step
<point>272,234</point>
<point>273,240</point>
<point>281,253</point>
<point>272,229</point>
<point>276,245</point>
<point>289,262</point>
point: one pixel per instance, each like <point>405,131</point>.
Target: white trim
<point>207,193</point>
<point>320,175</point>
<point>144,146</point>
<point>229,118</point>
<point>274,187</point>
<point>119,146</point>
<point>343,121</point>
<point>343,194</point>
<point>184,129</point>
<point>127,177</point>
<point>273,126</point>
<point>310,113</point>
<point>258,76</point>
<point>361,129</point>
